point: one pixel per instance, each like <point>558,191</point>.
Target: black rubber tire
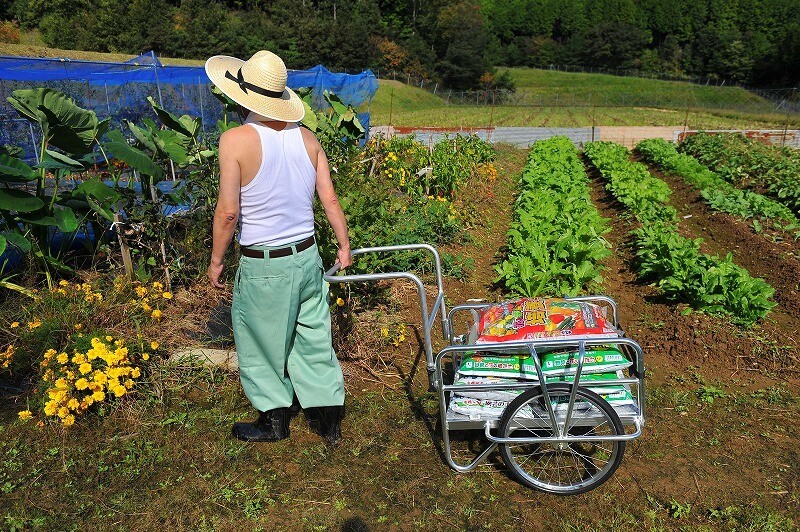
<point>591,475</point>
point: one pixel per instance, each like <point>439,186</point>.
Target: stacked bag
<point>538,318</point>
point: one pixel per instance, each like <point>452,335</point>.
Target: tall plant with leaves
<point>69,135</point>
<point>337,128</point>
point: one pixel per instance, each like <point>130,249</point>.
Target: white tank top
<point>276,207</point>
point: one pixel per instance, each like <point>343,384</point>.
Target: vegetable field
<point>699,250</point>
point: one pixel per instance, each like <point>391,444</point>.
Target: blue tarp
<point>120,90</point>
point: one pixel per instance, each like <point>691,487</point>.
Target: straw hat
<point>258,84</point>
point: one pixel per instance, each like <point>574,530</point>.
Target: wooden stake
<point>127,261</point>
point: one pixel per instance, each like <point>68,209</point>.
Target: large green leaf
<point>230,105</point>
<point>38,217</point>
<point>13,169</point>
<point>142,135</point>
<point>65,219</point>
<point>19,241</point>
<point>54,160</point>
<point>133,157</point>
<point>99,190</point>
<point>172,144</point>
<point>310,119</point>
<point>2,245</point>
<point>184,125</point>
<point>19,201</point>
<point>63,123</point>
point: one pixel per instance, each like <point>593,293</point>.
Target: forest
<point>459,43</point>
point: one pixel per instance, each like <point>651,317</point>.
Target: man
<point>269,170</point>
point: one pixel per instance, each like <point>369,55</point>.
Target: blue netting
<point>120,90</point>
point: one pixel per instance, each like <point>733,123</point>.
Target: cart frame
<point>632,417</point>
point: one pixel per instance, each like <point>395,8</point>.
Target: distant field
<point>559,99</point>
<point>605,90</point>
<point>400,105</point>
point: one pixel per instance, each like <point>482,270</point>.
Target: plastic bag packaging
<point>537,317</point>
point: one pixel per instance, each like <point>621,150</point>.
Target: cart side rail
<point>428,318</point>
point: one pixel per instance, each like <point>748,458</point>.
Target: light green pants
<point>282,328</point>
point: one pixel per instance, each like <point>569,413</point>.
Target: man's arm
<point>226,214</point>
<point>330,202</point>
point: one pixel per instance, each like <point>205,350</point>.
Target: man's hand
<point>344,258</point>
<point>214,273</point>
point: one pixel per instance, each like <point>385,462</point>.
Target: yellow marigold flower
<point>146,307</point>
<point>129,384</point>
<point>120,390</point>
<point>98,395</point>
<point>78,326</point>
<point>81,384</point>
<point>63,412</point>
<point>14,324</point>
<point>167,295</point>
<point>109,338</point>
<point>73,404</point>
<point>68,420</point>
<point>145,356</point>
<point>86,402</point>
<point>61,383</point>
<point>85,368</point>
<point>61,292</point>
<point>98,296</point>
<point>70,375</point>
<point>157,286</point>
<point>384,332</point>
<point>62,358</point>
<point>135,373</point>
<point>141,291</point>
<point>156,314</point>
<point>50,408</point>
<point>339,301</point>
<point>153,345</point>
<point>78,358</point>
<point>25,414</point>
<point>34,324</point>
<point>100,377</point>
<point>63,282</point>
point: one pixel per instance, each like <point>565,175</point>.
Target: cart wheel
<point>561,468</point>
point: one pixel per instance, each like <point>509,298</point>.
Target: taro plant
<point>43,219</point>
<point>337,128</point>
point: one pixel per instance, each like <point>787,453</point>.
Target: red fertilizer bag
<point>541,317</point>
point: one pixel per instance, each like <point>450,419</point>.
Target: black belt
<point>280,252</point>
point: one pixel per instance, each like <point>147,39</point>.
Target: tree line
<point>458,42</point>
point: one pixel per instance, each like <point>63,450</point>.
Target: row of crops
<point>720,194</point>
<point>555,239</point>
<point>750,164</point>
<point>555,243</point>
<point>672,261</point>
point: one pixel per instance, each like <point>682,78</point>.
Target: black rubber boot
<point>272,425</point>
<point>327,422</point>
<point>294,408</point>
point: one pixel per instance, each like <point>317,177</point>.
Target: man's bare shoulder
<point>237,135</point>
<point>310,139</point>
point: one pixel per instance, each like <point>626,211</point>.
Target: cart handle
<point>428,319</point>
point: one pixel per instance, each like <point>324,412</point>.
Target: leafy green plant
<point>719,193</point>
<point>555,242</point>
<point>666,258</point>
<point>68,136</point>
<point>337,128</point>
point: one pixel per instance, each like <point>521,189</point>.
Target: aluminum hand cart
<point>558,438</point>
